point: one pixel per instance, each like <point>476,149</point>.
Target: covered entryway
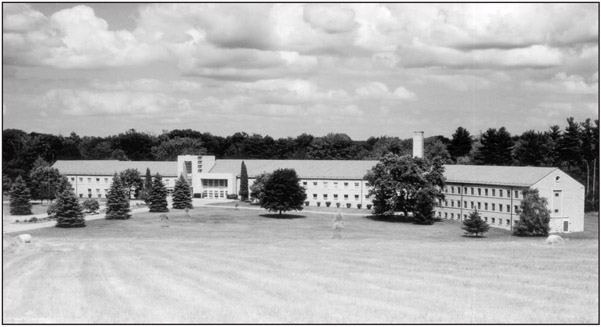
<point>214,188</point>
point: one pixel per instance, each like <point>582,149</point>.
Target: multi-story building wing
<point>496,192</point>
<point>93,178</point>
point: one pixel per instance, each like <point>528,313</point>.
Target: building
<point>496,191</point>
<point>93,178</point>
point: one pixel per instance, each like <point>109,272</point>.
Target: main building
<point>495,191</point>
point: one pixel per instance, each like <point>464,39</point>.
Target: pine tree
<point>461,143</point>
<point>158,195</point>
<point>534,215</point>
<point>181,194</point>
<point>474,224</point>
<point>20,198</point>
<point>117,204</point>
<point>243,182</point>
<point>68,211</point>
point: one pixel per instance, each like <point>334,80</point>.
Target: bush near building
<point>68,211</point>
<point>117,204</point>
<point>91,205</point>
<point>181,194</point>
<point>534,215</point>
<point>20,198</point>
<point>474,224</point>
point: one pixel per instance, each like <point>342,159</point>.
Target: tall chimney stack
<point>418,144</point>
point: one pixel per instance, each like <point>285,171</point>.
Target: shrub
<point>307,203</point>
<point>232,197</point>
<point>33,219</point>
<point>337,204</point>
<point>17,220</point>
<point>318,203</point>
<point>474,224</point>
<point>369,207</point>
<point>51,211</point>
<point>328,203</point>
<point>358,205</point>
<point>197,195</point>
<point>348,205</point>
<point>91,205</point>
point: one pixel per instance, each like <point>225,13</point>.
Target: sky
<point>100,69</point>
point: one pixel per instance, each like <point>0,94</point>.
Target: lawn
<point>222,265</point>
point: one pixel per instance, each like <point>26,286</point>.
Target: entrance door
<point>556,203</point>
<point>566,226</point>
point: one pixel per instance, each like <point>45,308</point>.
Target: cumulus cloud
<point>89,103</point>
<point>331,18</point>
<point>568,84</point>
<point>378,90</point>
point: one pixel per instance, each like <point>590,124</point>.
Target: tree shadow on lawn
<point>283,216</point>
<point>392,219</point>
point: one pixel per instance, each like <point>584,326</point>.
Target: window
<point>500,221</point>
<point>458,204</point>
<point>479,191</point>
<point>314,196</point>
<point>492,220</point>
<point>89,190</point>
<point>356,197</point>
<point>99,195</point>
<point>314,183</point>
<point>500,193</point>
<point>508,222</point>
<point>97,190</point>
<point>73,179</point>
<point>465,204</point>
<point>446,215</point>
<point>80,195</point>
<point>472,204</point>
<point>492,206</point>
<point>221,182</point>
<point>465,190</point>
<point>97,180</point>
<point>345,184</point>
<point>106,180</point>
<point>479,207</point>
<point>346,196</point>
<point>515,209</point>
<point>89,180</point>
<point>485,206</point>
<point>446,203</point>
<point>356,185</point>
<point>485,219</point>
<point>304,183</point>
<point>472,191</point>
<point>508,193</point>
<point>452,216</point>
<point>335,196</point>
<point>335,184</point>
<point>464,216</point>
<point>508,208</point>
<point>557,179</point>
<point>485,192</point>
<point>325,184</point>
<point>439,214</point>
<point>366,196</point>
<point>452,203</point>
<point>188,166</point>
<point>81,179</point>
<point>325,196</point>
<point>446,190</point>
<point>517,194</point>
<point>452,189</point>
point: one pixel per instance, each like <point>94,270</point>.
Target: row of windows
<point>214,182</point>
<point>478,205</point>
<point>106,180</point>
<point>325,197</point>
<point>334,184</point>
<point>478,191</point>
<point>493,220</point>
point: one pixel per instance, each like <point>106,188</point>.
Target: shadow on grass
<point>391,219</point>
<point>282,216</point>
<point>473,236</point>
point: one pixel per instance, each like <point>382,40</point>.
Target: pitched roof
<point>110,167</point>
<point>496,175</point>
<point>334,169</point>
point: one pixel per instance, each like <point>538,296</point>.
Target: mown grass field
<point>222,265</point>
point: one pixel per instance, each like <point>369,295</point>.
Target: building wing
<point>110,167</point>
<point>496,175</point>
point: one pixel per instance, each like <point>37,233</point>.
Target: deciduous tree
<point>283,192</point>
<point>257,189</point>
<point>534,215</point>
<point>131,181</point>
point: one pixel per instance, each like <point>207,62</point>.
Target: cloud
<point>378,90</point>
<point>330,18</point>
<point>147,85</point>
<point>567,84</point>
<point>91,103</point>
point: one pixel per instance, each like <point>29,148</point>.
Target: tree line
<point>574,149</point>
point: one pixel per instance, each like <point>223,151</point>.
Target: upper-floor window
<point>188,166</point>
<point>304,183</point>
<point>314,183</point>
<point>335,184</point>
<point>325,184</point>
<point>345,184</point>
<point>472,191</point>
<point>492,206</point>
<point>508,208</point>
<point>314,196</point>
<point>485,192</point>
<point>356,185</point>
<point>493,192</point>
<point>479,191</point>
<point>89,180</point>
<point>346,196</point>
<point>357,197</point>
<point>465,190</point>
<point>517,194</point>
<point>500,193</point>
<point>335,196</point>
<point>452,189</point>
<point>485,206</point>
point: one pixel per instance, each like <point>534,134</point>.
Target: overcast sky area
<point>284,69</point>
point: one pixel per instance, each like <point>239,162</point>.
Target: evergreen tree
<point>533,149</point>
<point>243,183</point>
<point>117,204</point>
<point>20,198</point>
<point>495,148</point>
<point>158,195</point>
<point>181,194</point>
<point>474,224</point>
<point>283,192</point>
<point>424,206</point>
<point>68,211</point>
<point>461,143</point>
<point>534,215</point>
<point>570,144</point>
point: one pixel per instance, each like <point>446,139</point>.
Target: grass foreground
<point>222,265</point>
